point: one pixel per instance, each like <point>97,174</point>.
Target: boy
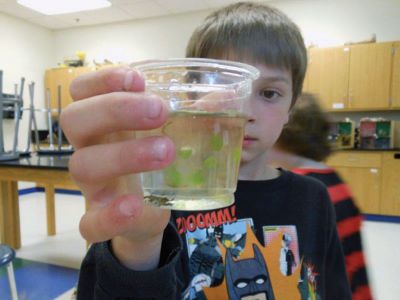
<point>231,252</point>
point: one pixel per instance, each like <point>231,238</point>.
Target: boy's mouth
<point>248,140</point>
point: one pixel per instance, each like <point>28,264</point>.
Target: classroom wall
<point>151,38</point>
<point>30,49</point>
<point>324,23</point>
<point>26,51</point>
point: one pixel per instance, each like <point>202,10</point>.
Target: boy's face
<point>267,111</point>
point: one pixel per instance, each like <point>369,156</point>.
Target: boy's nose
<point>248,111</point>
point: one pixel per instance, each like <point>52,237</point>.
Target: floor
<point>62,254</point>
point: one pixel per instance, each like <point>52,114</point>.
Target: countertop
<point>59,162</point>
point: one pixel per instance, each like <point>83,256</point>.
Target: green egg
<point>196,178</point>
<point>185,152</point>
<point>216,142</point>
<point>210,162</point>
<point>173,177</point>
<point>237,153</point>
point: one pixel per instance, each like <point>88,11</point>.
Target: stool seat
<point>7,254</point>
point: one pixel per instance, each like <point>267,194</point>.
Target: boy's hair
<point>255,32</point>
<point>306,133</point>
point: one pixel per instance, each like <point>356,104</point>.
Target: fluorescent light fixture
<point>57,7</point>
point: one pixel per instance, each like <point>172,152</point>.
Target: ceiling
<point>120,10</point>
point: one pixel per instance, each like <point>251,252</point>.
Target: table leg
<point>50,209</point>
<point>9,214</point>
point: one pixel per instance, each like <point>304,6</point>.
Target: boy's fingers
<point>114,219</point>
<point>121,158</point>
<point>84,121</point>
<point>106,81</point>
<point>126,215</point>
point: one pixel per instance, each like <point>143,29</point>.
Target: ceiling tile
<point>177,6</point>
<point>113,13</point>
<point>74,19</point>
<point>49,22</point>
<point>100,16</point>
<point>14,9</point>
<point>118,2</point>
<point>121,10</point>
<point>144,9</point>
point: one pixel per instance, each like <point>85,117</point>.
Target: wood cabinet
<point>374,178</point>
<point>370,75</point>
<point>395,89</point>
<point>363,77</point>
<point>328,76</point>
<point>363,173</point>
<point>390,204</point>
<point>61,77</point>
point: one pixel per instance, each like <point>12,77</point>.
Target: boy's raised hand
<point>108,107</point>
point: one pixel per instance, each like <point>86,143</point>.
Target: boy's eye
<point>269,94</point>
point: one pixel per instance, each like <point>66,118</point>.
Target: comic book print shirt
<point>278,241</point>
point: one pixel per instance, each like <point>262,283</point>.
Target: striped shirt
<point>348,222</point>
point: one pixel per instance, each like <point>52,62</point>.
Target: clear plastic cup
<point>206,99</point>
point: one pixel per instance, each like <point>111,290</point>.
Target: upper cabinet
<point>328,76</point>
<point>357,77</point>
<point>395,90</point>
<point>370,75</point>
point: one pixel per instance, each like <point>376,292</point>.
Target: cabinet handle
<point>396,156</point>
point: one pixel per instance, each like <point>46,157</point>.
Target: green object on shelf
<point>383,129</point>
<point>345,128</point>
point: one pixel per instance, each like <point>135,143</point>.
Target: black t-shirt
<point>238,251</point>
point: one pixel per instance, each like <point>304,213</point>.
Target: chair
<point>7,255</point>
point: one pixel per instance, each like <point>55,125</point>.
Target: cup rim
<point>247,70</point>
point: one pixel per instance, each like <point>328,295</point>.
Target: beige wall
<point>26,51</point>
<point>323,22</point>
<point>161,37</point>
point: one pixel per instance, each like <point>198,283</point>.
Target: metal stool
<point>7,255</point>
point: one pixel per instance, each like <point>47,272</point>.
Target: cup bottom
<point>192,203</point>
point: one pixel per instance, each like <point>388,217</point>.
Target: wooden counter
<point>46,171</point>
<point>374,178</point>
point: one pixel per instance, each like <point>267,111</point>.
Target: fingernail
<point>154,108</point>
<point>127,207</point>
<point>129,80</point>
<point>160,150</point>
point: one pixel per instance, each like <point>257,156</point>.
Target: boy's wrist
<point>137,255</point>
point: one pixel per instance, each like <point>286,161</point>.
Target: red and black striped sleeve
<point>348,222</point>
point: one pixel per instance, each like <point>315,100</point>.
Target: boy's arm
<point>337,283</point>
<point>102,276</point>
<point>109,106</point>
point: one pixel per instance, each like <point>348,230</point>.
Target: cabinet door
<point>59,78</point>
<point>395,92</point>
<point>328,75</point>
<point>370,75</point>
<point>365,186</point>
<point>390,204</point>
<point>64,78</point>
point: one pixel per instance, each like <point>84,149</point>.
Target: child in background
<point>231,252</point>
<point>302,148</point>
